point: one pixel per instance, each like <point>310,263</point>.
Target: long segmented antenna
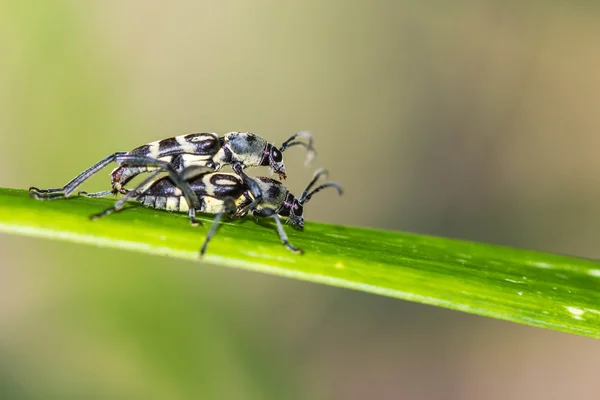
<point>318,174</point>
<point>311,153</point>
<point>318,189</point>
<point>306,196</point>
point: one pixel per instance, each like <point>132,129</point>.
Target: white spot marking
<point>520,293</point>
<point>183,206</point>
<point>173,203</point>
<point>594,272</point>
<point>186,146</point>
<point>206,136</point>
<point>194,159</point>
<point>154,149</point>
<point>225,182</point>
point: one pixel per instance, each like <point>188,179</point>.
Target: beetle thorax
<point>273,192</point>
<point>243,147</point>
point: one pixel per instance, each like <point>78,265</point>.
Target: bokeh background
<point>468,119</point>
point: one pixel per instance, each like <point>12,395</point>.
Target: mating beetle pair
<point>192,184</point>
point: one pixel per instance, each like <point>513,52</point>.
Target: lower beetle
<point>223,193</point>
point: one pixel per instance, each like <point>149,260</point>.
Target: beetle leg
<point>96,194</point>
<point>269,212</point>
<point>131,193</point>
<point>67,190</point>
<point>228,208</point>
<point>163,166</point>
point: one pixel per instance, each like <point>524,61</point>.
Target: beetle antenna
<point>305,199</point>
<point>306,195</point>
<point>311,153</point>
<point>318,173</point>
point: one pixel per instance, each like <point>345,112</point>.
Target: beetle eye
<point>276,155</point>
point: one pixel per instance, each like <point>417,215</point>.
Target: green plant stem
<point>544,290</point>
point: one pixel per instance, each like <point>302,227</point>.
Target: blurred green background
<point>467,119</point>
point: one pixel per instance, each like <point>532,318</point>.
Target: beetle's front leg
<point>269,212</point>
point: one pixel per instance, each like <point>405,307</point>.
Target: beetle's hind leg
<point>96,194</point>
<point>69,188</point>
<point>162,166</point>
<point>121,202</point>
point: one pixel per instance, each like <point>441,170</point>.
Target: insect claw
<point>195,222</point>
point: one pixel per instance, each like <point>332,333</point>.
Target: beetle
<point>238,149</point>
<point>225,193</point>
<point>173,155</point>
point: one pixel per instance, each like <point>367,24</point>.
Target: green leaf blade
<point>544,290</point>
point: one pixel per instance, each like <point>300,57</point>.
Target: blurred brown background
<point>467,119</point>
